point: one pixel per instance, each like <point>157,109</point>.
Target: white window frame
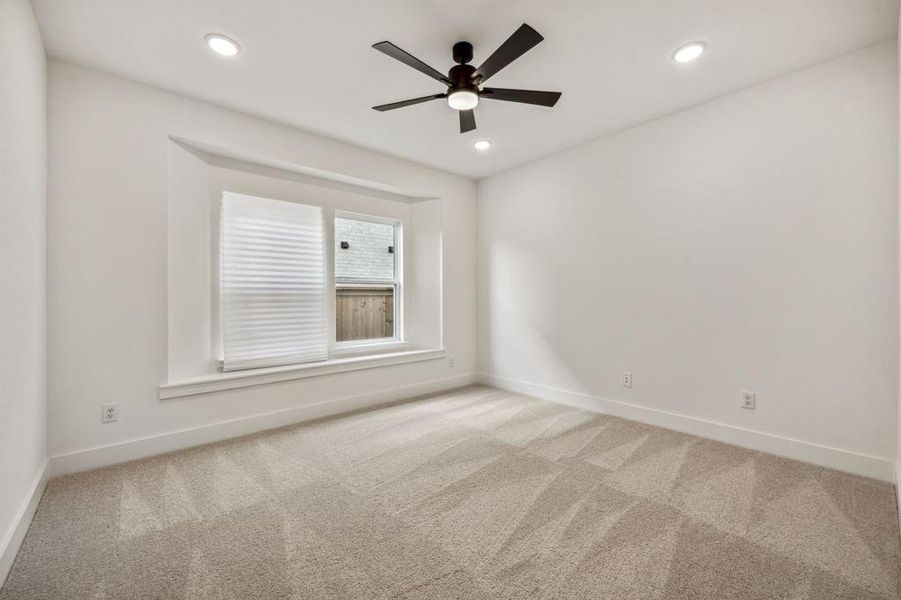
<point>377,344</point>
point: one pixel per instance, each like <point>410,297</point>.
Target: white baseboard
<point>9,545</point>
<point>898,490</point>
<point>834,458</point>
<point>92,458</point>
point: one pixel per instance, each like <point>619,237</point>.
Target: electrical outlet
<point>627,379</point>
<point>110,413</point>
<point>450,362</point>
<point>749,400</point>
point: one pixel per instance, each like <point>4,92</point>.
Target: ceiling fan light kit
<point>463,99</point>
<point>464,82</point>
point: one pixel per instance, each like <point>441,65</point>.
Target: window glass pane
<point>363,249</point>
<point>364,312</point>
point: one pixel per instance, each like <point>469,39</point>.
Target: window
<point>367,282</point>
<point>274,304</point>
<point>272,282</point>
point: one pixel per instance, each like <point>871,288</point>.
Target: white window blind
<point>272,283</point>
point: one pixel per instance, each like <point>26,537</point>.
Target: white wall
<point>749,243</point>
<point>898,456</point>
<point>23,270</point>
<point>107,261</point>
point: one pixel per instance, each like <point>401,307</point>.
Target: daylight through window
<point>367,285</point>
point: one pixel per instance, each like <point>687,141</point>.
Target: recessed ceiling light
<point>482,145</point>
<point>689,52</point>
<point>222,44</point>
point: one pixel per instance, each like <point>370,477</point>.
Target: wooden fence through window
<point>364,313</point>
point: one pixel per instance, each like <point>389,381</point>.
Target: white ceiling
<point>309,64</point>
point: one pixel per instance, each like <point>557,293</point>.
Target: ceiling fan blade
<point>524,96</point>
<point>523,39</point>
<point>467,121</point>
<point>403,103</point>
<point>411,61</point>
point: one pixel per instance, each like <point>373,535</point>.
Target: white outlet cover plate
<point>749,400</point>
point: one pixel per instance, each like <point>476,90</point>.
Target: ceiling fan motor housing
<point>461,76</point>
<point>462,53</point>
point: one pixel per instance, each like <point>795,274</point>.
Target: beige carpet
<point>475,493</point>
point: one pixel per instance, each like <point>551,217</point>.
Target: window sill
<point>378,348</point>
<point>239,379</point>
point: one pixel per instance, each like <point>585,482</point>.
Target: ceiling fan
<point>464,81</point>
